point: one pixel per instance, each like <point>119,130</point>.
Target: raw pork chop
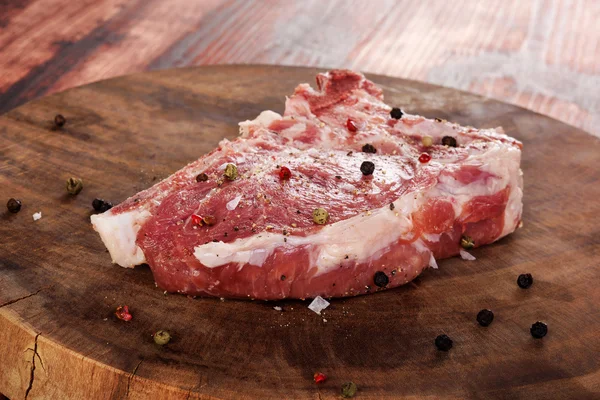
<point>261,240</point>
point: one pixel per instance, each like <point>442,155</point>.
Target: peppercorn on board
<point>340,189</point>
<point>60,337</point>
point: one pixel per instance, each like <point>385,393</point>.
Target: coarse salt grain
<point>37,215</point>
<point>232,205</point>
<point>277,308</point>
<point>432,262</point>
<point>465,255</point>
<point>318,305</point>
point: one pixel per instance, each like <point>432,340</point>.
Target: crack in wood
<point>38,357</point>
<point>32,371</point>
<point>8,303</point>
<point>131,378</point>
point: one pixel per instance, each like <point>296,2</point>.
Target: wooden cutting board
<point>59,338</point>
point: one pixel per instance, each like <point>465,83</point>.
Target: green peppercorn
<point>162,337</point>
<point>231,172</point>
<point>467,242</point>
<point>348,390</point>
<point>320,216</point>
<point>74,185</point>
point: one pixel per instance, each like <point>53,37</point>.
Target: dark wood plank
<point>58,290</point>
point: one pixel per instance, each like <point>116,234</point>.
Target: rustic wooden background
<point>540,54</point>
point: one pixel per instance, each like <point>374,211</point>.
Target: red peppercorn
<point>424,158</point>
<point>319,377</point>
<point>351,125</point>
<point>123,313</point>
<point>285,173</point>
<point>197,219</point>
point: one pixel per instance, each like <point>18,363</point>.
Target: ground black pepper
<point>381,279</point>
<point>367,168</point>
<point>338,177</point>
<point>485,317</point>
<point>282,277</point>
<point>443,342</point>
<point>396,113</point>
<point>101,205</point>
<point>525,281</point>
<point>13,205</point>
<point>392,206</point>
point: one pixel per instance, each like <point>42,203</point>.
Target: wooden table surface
<point>540,54</point>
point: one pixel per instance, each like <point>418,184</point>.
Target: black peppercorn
<point>539,330</point>
<point>369,148</point>
<point>202,177</point>
<point>101,205</point>
<point>59,120</point>
<point>443,342</point>
<point>381,279</point>
<point>396,113</point>
<point>14,205</point>
<point>367,168</point>
<point>485,317</point>
<point>449,141</point>
<point>525,281</point>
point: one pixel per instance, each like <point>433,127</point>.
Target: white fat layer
<point>264,119</point>
<point>330,245</point>
<point>119,232</point>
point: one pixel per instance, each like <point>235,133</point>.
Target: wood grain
<point>540,54</point>
<point>59,338</point>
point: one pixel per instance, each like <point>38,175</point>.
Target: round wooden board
<point>59,338</point>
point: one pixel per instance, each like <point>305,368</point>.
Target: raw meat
<point>264,243</point>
